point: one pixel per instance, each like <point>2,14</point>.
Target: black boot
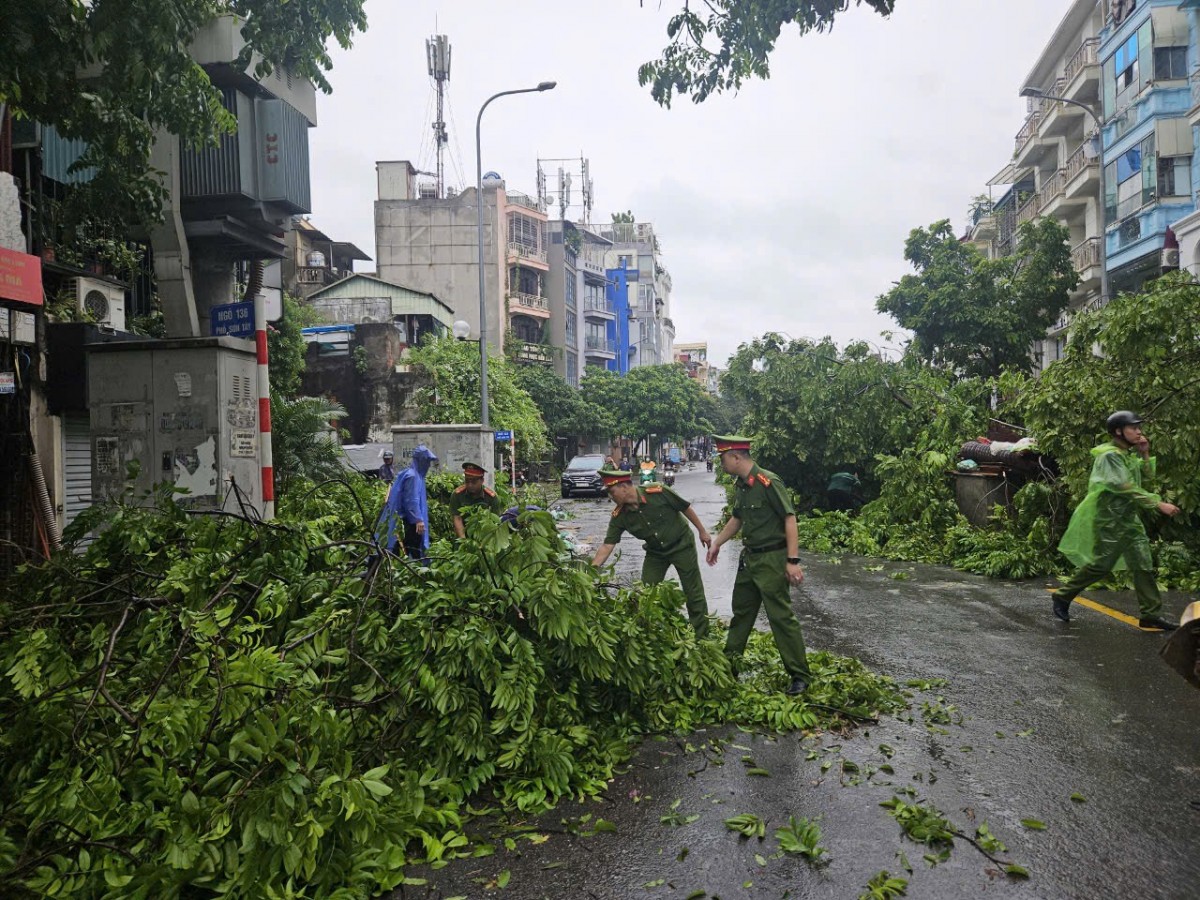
<point>1062,609</point>
<point>1156,622</point>
<point>797,687</point>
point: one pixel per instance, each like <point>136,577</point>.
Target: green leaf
<point>1034,824</point>
<point>503,878</point>
<point>1017,871</point>
<point>1078,798</point>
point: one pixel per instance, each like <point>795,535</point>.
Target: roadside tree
<point>450,392</point>
<point>980,316</point>
<point>566,411</point>
<point>649,400</point>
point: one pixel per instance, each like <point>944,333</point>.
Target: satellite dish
<point>491,178</point>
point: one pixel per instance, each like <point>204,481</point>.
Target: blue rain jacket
<point>407,501</point>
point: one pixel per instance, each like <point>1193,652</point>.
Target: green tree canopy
<point>814,410</point>
<point>114,72</point>
<point>712,53</point>
<point>977,315</point>
<point>450,392</point>
<point>566,412</point>
<point>1150,363</point>
<point>658,400</point>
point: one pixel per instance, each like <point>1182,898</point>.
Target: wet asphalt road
<point>1039,711</point>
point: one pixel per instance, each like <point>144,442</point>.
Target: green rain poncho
<point>1107,524</point>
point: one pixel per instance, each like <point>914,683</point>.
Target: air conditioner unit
<point>104,302</point>
<point>1170,259</point>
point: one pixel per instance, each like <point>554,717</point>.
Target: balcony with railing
<point>1027,137</point>
<point>1082,72</point>
<point>599,347</point>
<point>598,308</point>
<point>1088,257</point>
<point>1029,209</point>
<point>1081,175</point>
<point>527,253</point>
<point>528,305</point>
<point>1051,194</point>
<point>1058,118</point>
<point>318,276</point>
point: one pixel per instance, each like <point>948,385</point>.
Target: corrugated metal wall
<point>283,155</point>
<point>59,154</point>
<point>215,171</point>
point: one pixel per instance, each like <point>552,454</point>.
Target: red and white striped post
<point>264,408</point>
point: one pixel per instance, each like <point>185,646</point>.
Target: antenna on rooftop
<point>437,52</point>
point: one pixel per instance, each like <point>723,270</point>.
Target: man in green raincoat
<point>1106,531</point>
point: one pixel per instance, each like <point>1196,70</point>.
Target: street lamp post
<point>483,359</point>
<point>1103,211</point>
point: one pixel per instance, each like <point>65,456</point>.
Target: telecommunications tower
<point>437,52</point>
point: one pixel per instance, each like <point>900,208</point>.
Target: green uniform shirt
<point>657,520</point>
<point>761,503</point>
<point>461,500</point>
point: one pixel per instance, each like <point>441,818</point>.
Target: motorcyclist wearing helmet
<point>1106,530</point>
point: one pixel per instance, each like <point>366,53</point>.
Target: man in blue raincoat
<point>406,514</point>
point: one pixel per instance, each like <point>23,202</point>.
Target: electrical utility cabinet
<point>181,411</point>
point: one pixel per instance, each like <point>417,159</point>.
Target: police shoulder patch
<point>764,479</point>
<point>460,489</point>
<point>616,512</point>
<point>653,489</point>
<point>486,490</point>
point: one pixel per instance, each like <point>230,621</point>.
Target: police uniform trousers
<point>687,567</point>
<point>762,582</point>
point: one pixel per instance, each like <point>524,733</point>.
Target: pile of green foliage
<point>898,424</point>
<point>205,704</point>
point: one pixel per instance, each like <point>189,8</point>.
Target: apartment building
<point>1127,62</point>
<point>430,244</point>
<point>637,252</point>
<point>1187,229</point>
<point>564,289</point>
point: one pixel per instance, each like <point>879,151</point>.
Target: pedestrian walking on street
<point>659,516</point>
<point>770,560</point>
<point>470,494</point>
<point>405,516</point>
<point>1106,531</point>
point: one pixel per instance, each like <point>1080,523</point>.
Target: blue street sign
<point>232,319</point>
<point>502,436</point>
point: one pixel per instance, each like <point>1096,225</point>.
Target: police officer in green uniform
<point>472,492</point>
<point>656,515</point>
<point>770,560</point>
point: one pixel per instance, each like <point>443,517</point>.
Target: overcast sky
<point>781,208</point>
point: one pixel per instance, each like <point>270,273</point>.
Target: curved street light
<point>483,358</point>
<point>1099,155</point>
